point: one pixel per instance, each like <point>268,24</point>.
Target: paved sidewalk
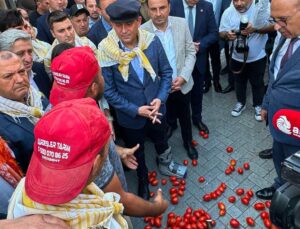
<point>245,135</point>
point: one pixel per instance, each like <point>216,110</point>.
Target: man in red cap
<point>71,141</point>
<point>77,75</point>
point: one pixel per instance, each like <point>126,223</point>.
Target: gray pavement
<point>245,135</point>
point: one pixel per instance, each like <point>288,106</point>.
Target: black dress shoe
<point>170,130</point>
<point>191,151</point>
<point>217,86</point>
<point>143,190</point>
<point>266,154</point>
<point>224,70</point>
<point>266,193</point>
<point>201,127</point>
<point>228,89</point>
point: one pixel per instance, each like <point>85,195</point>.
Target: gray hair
<point>10,36</point>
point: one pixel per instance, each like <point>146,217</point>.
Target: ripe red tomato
<point>174,200</point>
<point>222,212</point>
<point>221,189</point>
<point>234,223</point>
<point>153,174</point>
<point>154,182</point>
<point>176,183</point>
<point>246,165</point>
<point>152,194</point>
<point>194,162</point>
<point>157,222</point>
<point>231,199</point>
<point>264,215</point>
<point>193,219</point>
<point>185,162</point>
<point>147,227</point>
<point>205,136</point>
<point>171,215</point>
<point>182,187</point>
<point>180,193</point>
<point>239,191</point>
<point>201,133</point>
<point>173,178</point>
<point>201,179</point>
<point>194,143</point>
<point>172,191</point>
<point>182,182</point>
<point>189,210</point>
<point>250,221</point>
<point>245,201</point>
<point>221,206</point>
<point>268,203</point>
<point>229,149</point>
<point>240,170</point>
<point>250,193</point>
<point>213,195</point>
<point>213,223</point>
<point>231,167</point>
<point>163,181</point>
<point>233,162</point>
<point>259,206</point>
<point>267,223</point>
<point>223,185</point>
<point>227,171</point>
<point>206,197</point>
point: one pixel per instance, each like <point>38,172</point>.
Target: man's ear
<point>52,33</point>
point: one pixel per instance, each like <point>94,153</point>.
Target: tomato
<point>201,133</point>
<point>250,221</point>
<point>163,181</point>
<point>171,222</point>
<point>151,179</point>
<point>193,219</point>
<point>173,190</point>
<point>268,203</point>
<point>246,165</point>
<point>194,162</point>
<point>173,178</point>
<point>240,170</point>
<point>245,201</point>
<point>218,193</point>
<point>250,193</point>
<point>259,206</point>
<point>201,179</point>
<point>189,210</point>
<point>152,194</point>
<point>157,222</point>
<point>171,215</point>
<point>223,185</point>
<point>221,206</point>
<point>229,149</point>
<point>233,162</point>
<point>239,191</point>
<point>182,182</point>
<point>181,224</point>
<point>205,136</point>
<point>228,171</point>
<point>222,212</point>
<point>267,223</point>
<point>213,223</point>
<point>176,183</point>
<point>264,215</point>
<point>194,143</point>
<point>174,200</point>
<point>182,187</point>
<point>185,162</point>
<point>206,197</point>
<point>231,167</point>
<point>180,193</point>
<point>147,219</point>
<point>234,223</point>
<point>213,195</point>
<point>231,199</point>
<point>154,182</point>
<point>174,195</point>
<point>221,189</point>
<point>197,214</point>
<point>153,174</point>
<point>147,227</point>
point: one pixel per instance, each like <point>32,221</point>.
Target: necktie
<point>289,52</point>
<point>191,20</point>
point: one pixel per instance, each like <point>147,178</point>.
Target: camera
<point>241,40</point>
<point>285,205</point>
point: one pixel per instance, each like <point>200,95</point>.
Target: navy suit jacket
<point>97,33</point>
<point>127,97</point>
<point>42,26</point>
<point>205,31</point>
<point>41,78</point>
<point>283,92</point>
<point>19,136</point>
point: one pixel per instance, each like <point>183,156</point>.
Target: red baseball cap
<point>73,71</point>
<point>67,140</point>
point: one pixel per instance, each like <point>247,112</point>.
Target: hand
<point>154,113</point>
<point>35,222</point>
<point>145,111</point>
<point>197,46</point>
<point>231,36</point>
<point>264,114</point>
<point>249,29</point>
<point>177,83</point>
<point>127,156</point>
<point>160,204</point>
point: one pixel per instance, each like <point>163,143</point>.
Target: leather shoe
<point>143,190</point>
<point>170,130</point>
<point>228,89</point>
<point>201,127</point>
<point>217,86</point>
<point>224,70</point>
<point>265,154</point>
<point>191,151</point>
<point>266,193</point>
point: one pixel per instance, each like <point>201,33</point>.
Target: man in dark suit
<point>137,83</point>
<point>281,101</point>
<point>201,20</point>
<point>19,42</point>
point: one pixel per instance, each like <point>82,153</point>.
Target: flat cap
<point>123,10</point>
<point>78,8</point>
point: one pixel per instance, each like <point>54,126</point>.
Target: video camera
<point>285,205</point>
<point>241,40</point>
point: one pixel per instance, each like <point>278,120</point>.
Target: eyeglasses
<point>282,21</point>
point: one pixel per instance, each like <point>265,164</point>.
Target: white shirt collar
<point>185,5</point>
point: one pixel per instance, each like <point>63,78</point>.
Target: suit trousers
<point>178,106</point>
<point>281,151</point>
<point>214,53</point>
<point>197,94</point>
<point>156,132</point>
<point>254,72</point>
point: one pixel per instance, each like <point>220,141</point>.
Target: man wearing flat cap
<point>138,80</point>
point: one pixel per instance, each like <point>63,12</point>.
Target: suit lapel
<point>199,11</point>
<point>28,126</point>
<point>275,54</point>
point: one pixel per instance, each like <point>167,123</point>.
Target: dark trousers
<point>281,151</point>
<point>178,106</point>
<point>156,132</point>
<point>254,72</point>
<point>197,95</point>
<point>214,53</point>
<point>227,56</point>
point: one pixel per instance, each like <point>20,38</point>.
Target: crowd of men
<point>77,77</point>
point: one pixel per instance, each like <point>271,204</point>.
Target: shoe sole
<point>238,114</point>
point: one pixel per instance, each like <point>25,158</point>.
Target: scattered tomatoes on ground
<point>229,149</point>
